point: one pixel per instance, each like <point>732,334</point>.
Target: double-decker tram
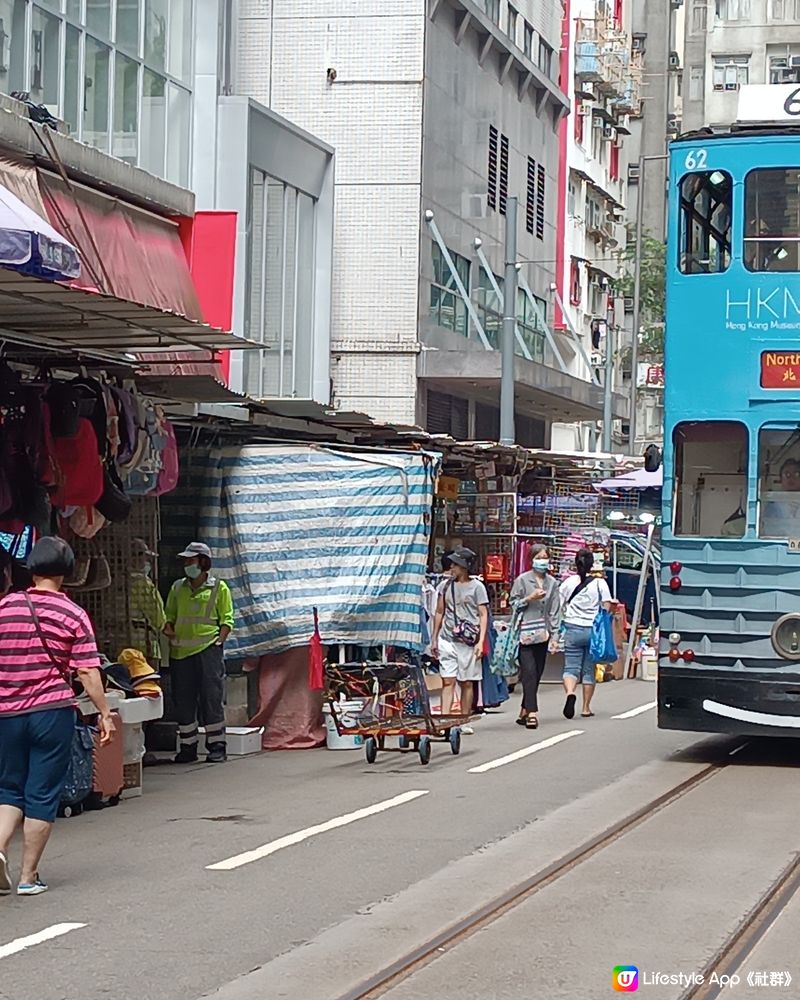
<point>730,611</point>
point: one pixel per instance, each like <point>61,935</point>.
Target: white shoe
<point>467,731</point>
<point>5,878</point>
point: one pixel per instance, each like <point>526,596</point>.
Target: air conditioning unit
<point>584,110</point>
<point>608,131</point>
<point>633,173</point>
<point>627,304</point>
<point>674,60</point>
<point>794,62</point>
<point>598,123</point>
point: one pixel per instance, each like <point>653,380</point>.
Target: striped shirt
<point>29,681</point>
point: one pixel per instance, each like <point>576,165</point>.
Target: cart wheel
<point>403,743</point>
<point>424,749</point>
<point>370,749</point>
<point>67,812</point>
<point>455,741</point>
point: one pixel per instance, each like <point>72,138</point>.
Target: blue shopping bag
<point>506,648</point>
<point>602,648</point>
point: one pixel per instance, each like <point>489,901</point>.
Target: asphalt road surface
<point>308,875</point>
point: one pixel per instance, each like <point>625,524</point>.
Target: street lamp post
<point>507,429</point>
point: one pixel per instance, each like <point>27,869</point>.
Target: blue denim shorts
<point>576,653</point>
<point>34,760</point>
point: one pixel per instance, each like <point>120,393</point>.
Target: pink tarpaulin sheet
<point>290,714</point>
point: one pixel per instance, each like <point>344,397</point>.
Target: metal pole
<point>607,387</point>
<point>507,431</point>
<point>637,304</point>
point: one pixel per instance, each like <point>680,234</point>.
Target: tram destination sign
<point>768,103</point>
<point>780,370</point>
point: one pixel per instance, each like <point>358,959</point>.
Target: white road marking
<point>312,831</point>
<point>526,752</point>
<point>636,711</point>
<point>20,944</point>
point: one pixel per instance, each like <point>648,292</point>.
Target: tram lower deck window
<point>710,479</point>
<point>772,220</point>
<point>779,483</point>
<point>705,222</point>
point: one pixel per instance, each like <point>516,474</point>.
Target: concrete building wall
<point>351,71</point>
<point>732,43</point>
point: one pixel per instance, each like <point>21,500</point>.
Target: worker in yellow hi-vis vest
<point>199,613</point>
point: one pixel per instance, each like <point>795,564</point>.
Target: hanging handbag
<point>602,648</point>
<point>464,632</point>
<point>506,649</point>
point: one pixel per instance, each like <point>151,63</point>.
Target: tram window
<point>705,222</point>
<point>779,483</point>
<point>772,220</point>
<point>710,479</point>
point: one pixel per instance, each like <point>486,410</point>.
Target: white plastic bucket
<point>348,712</point>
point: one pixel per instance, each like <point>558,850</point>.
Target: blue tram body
<point>730,608</point>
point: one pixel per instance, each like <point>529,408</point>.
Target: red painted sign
<point>780,370</point>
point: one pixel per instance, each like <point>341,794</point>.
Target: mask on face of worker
<point>192,571</point>
<point>541,565</point>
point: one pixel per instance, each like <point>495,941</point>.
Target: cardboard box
<point>447,488</point>
<point>243,740</point>
<point>131,780</point>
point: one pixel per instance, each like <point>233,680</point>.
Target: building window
<point>575,291</point>
<point>492,8</point>
<point>699,16</point>
<point>447,307</point>
<point>778,482</point>
<point>513,18</point>
<point>491,197</point>
<point>527,46</point>
<point>572,197</point>
<point>731,72</point>
<point>784,10</point>
<point>613,162</point>
<point>502,185</point>
<point>530,197</point>
<point>120,89</point>
<point>785,68</point>
<point>705,222</point>
<point>540,201</point>
<point>710,479</point>
<point>697,82</point>
<point>772,220</point>
<point>733,10</point>
<point>530,326</point>
<point>489,306</point>
<point>279,298</point>
<point>545,61</point>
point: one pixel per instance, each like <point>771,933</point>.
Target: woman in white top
<point>582,596</point>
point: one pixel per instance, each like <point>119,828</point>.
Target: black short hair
<point>51,557</point>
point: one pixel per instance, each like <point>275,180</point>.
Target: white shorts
<point>457,660</point>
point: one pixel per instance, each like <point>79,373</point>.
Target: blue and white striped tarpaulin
<point>294,528</point>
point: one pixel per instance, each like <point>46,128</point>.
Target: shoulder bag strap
<point>45,645</point>
<point>581,587</point>
<point>455,603</point>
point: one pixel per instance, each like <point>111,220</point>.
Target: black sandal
<point>531,722</point>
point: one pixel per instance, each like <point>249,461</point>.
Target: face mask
<point>192,571</point>
<point>147,570</point>
<point>541,565</point>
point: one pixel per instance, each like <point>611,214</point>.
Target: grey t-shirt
<point>546,612</point>
<point>469,597</point>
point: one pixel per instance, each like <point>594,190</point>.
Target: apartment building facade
<point>439,112</point>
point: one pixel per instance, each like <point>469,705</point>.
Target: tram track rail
<point>729,960</point>
<point>385,979</point>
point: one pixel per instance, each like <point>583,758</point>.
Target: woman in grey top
<point>537,592</point>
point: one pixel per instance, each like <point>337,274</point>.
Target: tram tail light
<point>688,656</point>
<point>674,655</point>
<point>675,568</point>
<point>675,584</point>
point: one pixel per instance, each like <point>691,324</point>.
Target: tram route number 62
<point>696,159</point>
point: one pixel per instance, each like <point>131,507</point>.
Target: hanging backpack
<point>114,504</point>
<point>86,522</point>
<point>80,468</point>
<point>170,463</point>
<point>127,426</point>
<point>142,479</point>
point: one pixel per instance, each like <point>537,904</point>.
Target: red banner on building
<point>780,370</point>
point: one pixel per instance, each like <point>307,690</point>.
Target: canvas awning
<point>50,315</point>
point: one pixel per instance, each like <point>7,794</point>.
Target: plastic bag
<point>506,649</point>
<point>602,648</point>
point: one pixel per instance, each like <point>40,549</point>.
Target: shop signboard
<point>650,376</point>
<point>447,488</point>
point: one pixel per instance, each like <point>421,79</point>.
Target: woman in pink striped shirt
<point>45,641</point>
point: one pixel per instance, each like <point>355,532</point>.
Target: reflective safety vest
<point>197,615</point>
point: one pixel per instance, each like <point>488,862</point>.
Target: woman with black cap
<point>45,641</point>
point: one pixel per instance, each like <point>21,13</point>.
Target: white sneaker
<point>467,731</point>
<point>5,878</point>
<point>35,888</point>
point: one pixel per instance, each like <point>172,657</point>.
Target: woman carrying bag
<point>45,641</point>
<point>536,594</point>
<point>582,598</point>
